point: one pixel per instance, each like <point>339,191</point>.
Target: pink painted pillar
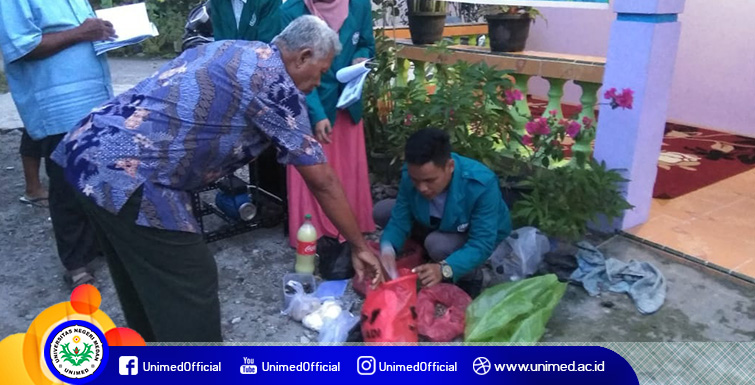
<point>641,55</point>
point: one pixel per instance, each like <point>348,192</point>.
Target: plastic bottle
<point>306,247</point>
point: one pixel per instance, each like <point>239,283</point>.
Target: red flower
<point>408,120</point>
<point>625,99</point>
<point>610,94</point>
<point>527,140</point>
<point>587,122</point>
<point>572,129</point>
<point>553,112</point>
<point>513,95</point>
<point>538,126</point>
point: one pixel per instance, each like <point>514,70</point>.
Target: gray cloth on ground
<point>644,283</point>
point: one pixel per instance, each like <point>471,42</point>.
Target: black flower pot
<point>508,33</point>
<point>425,27</point>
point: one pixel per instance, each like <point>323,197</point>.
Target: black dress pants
<point>167,281</point>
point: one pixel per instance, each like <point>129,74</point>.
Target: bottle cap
<point>308,216</point>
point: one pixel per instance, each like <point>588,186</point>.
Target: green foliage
<point>376,92</point>
<point>564,200</point>
<point>532,12</point>
<point>427,6</point>
<point>466,103</point>
<point>168,15</point>
<point>514,311</point>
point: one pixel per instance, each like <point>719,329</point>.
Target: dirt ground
<point>250,268</point>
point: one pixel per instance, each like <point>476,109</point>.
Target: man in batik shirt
<point>135,160</point>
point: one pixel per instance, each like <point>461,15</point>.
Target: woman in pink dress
<point>340,131</point>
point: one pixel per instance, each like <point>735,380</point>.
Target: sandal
<point>78,277</point>
<point>36,202</point>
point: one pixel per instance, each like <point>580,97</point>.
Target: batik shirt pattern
<point>200,117</point>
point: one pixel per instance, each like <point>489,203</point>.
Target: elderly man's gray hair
<point>309,32</point>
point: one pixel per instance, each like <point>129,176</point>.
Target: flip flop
<point>78,277</point>
<point>36,202</point>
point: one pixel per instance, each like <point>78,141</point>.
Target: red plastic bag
<point>412,257</point>
<point>440,312</point>
<point>388,313</point>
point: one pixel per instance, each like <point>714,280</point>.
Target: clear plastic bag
<point>519,256</point>
<point>302,304</point>
<point>337,330</point>
<point>329,311</point>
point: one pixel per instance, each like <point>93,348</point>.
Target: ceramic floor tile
<point>741,184</point>
<point>738,217</point>
<point>662,229</point>
<point>726,190</point>
<point>723,243</point>
<point>747,268</point>
<point>686,207</point>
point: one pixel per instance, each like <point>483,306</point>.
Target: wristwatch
<point>446,271</point>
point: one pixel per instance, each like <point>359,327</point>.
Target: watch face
<point>446,271</point>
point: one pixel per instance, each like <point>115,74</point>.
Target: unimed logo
<point>128,365</point>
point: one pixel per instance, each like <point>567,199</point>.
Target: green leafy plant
<point>377,89</point>
<point>417,6</point>
<point>466,103</point>
<point>531,12</point>
<point>563,201</point>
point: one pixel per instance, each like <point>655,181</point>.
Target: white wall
<point>714,77</point>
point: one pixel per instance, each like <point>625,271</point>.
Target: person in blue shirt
<point>136,159</point>
<point>55,79</point>
<point>451,204</point>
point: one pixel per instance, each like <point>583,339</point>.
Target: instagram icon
<point>366,365</point>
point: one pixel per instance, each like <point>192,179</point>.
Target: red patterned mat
<point>691,158</point>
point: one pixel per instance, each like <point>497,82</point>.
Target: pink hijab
<point>333,12</point>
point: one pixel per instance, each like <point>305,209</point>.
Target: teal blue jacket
<point>357,41</point>
<point>474,204</point>
<point>260,20</point>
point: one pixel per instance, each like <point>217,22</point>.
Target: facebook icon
<point>128,365</point>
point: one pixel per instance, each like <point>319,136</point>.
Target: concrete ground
<point>701,305</point>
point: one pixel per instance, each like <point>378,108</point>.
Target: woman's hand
<point>322,131</point>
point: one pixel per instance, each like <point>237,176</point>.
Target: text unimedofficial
<point>182,367</point>
<point>418,367</point>
<point>302,367</point>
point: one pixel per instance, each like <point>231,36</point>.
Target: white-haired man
<point>135,160</point>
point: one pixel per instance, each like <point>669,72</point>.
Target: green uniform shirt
<point>357,41</point>
<point>260,20</point>
<point>473,206</point>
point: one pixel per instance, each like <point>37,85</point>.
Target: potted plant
<point>377,98</point>
<point>466,103</point>
<point>509,26</point>
<point>427,18</point>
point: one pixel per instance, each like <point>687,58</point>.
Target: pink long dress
<point>347,155</point>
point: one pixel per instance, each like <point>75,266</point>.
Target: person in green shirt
<point>253,20</point>
<point>341,131</point>
<point>449,203</point>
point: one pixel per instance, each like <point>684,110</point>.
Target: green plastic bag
<point>513,311</point>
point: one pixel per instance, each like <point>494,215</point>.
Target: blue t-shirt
<point>54,93</point>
